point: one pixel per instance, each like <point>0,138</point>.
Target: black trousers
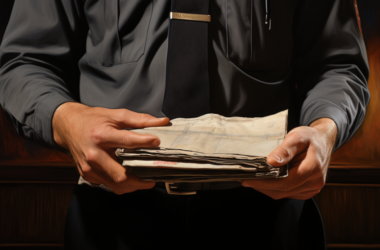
<point>239,218</point>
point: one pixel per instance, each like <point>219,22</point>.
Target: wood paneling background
<point>36,183</point>
<point>351,213</point>
<point>363,150</point>
<point>43,209</point>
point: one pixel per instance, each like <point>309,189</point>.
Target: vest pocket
<point>239,36</point>
<point>134,20</point>
<point>118,30</point>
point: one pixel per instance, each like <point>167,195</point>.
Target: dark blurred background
<point>36,183</point>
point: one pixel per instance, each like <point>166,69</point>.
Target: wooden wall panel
<point>24,152</point>
<point>351,213</point>
<point>33,213</point>
<point>363,150</point>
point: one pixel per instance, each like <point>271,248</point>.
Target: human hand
<point>308,152</point>
<point>92,134</point>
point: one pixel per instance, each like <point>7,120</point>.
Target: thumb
<point>293,144</point>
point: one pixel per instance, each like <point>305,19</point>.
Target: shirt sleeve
<point>39,55</point>
<point>331,66</point>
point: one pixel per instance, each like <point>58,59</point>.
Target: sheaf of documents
<point>209,148</point>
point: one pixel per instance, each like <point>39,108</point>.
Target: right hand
<point>93,134</point>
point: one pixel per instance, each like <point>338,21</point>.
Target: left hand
<point>308,152</point>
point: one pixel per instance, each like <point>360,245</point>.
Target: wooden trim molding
<point>31,163</point>
<point>32,246</point>
<point>352,185</point>
<point>354,246</point>
<point>353,175</point>
<point>38,174</point>
<point>353,166</point>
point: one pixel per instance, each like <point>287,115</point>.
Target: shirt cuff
<point>44,116</point>
<point>82,181</point>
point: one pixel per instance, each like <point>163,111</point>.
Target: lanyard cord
<point>268,20</point>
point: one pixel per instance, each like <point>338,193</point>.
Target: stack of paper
<point>209,148</point>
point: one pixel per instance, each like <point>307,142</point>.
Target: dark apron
<point>239,218</point>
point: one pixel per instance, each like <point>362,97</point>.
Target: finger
<point>112,174</point>
<point>83,168</point>
<point>299,173</point>
<point>91,180</point>
<point>293,144</point>
<point>135,183</point>
<point>88,173</point>
<point>296,177</point>
<point>129,119</point>
<point>114,138</point>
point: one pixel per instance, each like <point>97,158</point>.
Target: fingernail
<point>156,143</point>
<point>276,158</point>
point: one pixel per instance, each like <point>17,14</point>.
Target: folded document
<point>209,148</point>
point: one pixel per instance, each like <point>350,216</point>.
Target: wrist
<point>326,127</point>
<point>62,119</point>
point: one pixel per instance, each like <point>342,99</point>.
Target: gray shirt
<point>310,60</point>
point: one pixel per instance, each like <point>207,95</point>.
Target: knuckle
<point>91,156</point>
<point>284,152</point>
<point>302,140</point>
<point>121,114</point>
<point>86,171</point>
<point>97,136</point>
<point>293,136</point>
<point>298,137</point>
<point>120,181</point>
<point>144,117</point>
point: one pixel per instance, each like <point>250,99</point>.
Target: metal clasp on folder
<point>168,189</point>
<point>190,17</point>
